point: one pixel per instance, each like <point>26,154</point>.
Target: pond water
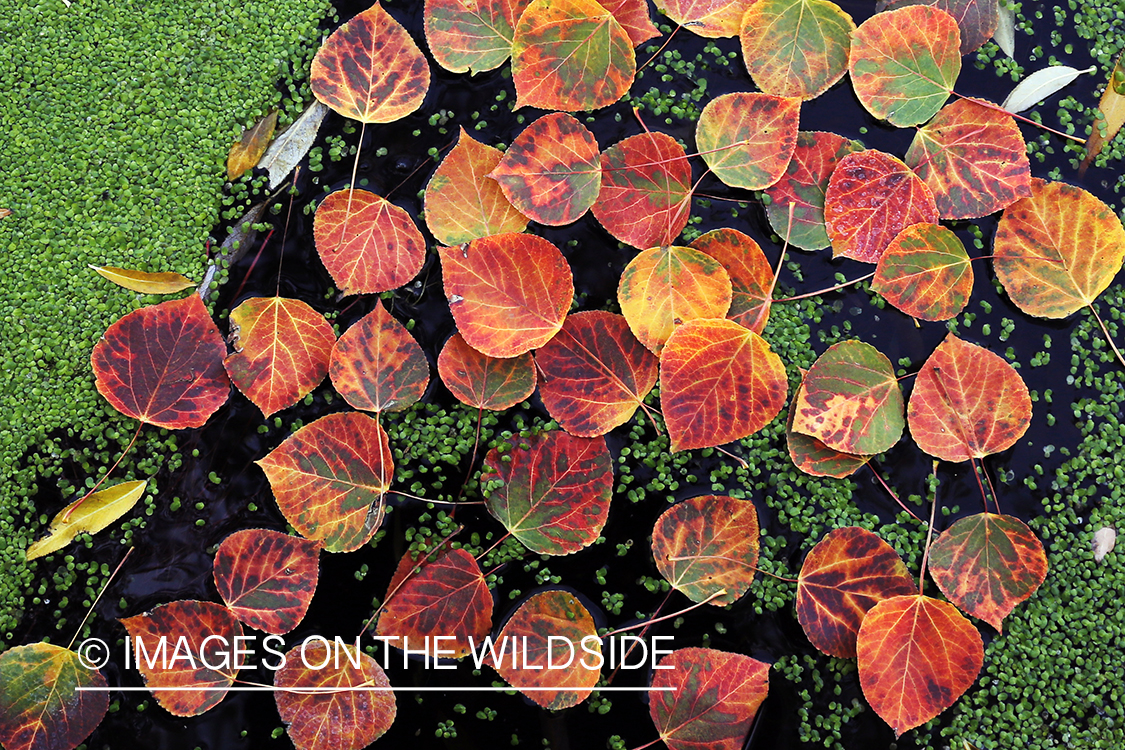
<point>173,554</point>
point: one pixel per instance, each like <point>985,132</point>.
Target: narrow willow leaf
<point>91,514</point>
<point>145,282</point>
<point>292,144</point>
<point>1005,36</point>
<point>1041,84</point>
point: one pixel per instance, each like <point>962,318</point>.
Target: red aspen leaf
<point>594,373</point>
<point>716,696</point>
<point>664,287</point>
<point>796,47</point>
<point>281,351</point>
<point>751,277</point>
<point>645,197</point>
<point>508,293</point>
<point>471,35</point>
<point>917,656</point>
<point>986,564</point>
<point>461,203</point>
<point>370,69</point>
<point>552,172</point>
<point>377,365</point>
<point>747,139</point>
<point>712,19</point>
<point>925,272</point>
<point>718,382</point>
<point>803,186</point>
<point>1057,250</point>
<point>708,544</point>
<point>144,281</point>
<point>570,55</point>
<point>850,400</point>
<point>553,490</point>
<point>328,715</point>
<point>485,382</point>
<point>549,630</point>
<point>249,149</point>
<point>847,573</point>
<point>976,19</point>
<point>185,658</point>
<point>871,197</point>
<point>446,598</point>
<point>329,478</point>
<point>163,364</point>
<point>967,403</point>
<point>368,244</point>
<point>267,578</point>
<point>973,158</point>
<point>903,63</point>
<point>634,18</point>
<point>814,457</point>
<point>41,707</point>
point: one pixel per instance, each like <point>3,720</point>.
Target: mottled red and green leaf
<point>267,578</point>
<point>377,365</point>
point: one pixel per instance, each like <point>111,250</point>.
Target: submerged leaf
<point>967,403</point>
<point>925,272</point>
<point>558,647</point>
<point>986,564</point>
<point>973,158</point>
<point>796,47</point>
<point>570,55</point>
<point>329,478</point>
<point>664,287</point>
<point>246,153</point>
<point>145,282</point>
<point>89,514</point>
<point>509,293</point>
<point>594,373</point>
<point>554,490</point>
<point>904,62</point>
<point>917,656</point>
<point>377,365</point>
<point>847,573</point>
<point>1057,250</point>
<point>871,197</point>
<point>1037,86</point>
<point>718,382</point>
<point>802,187</point>
<point>1005,35</point>
<point>747,139</point>
<point>370,69</point>
<point>41,707</point>
<point>461,203</point>
<point>708,544</point>
<point>292,144</point>
<point>197,653</point>
<point>267,578</point>
<point>281,351</point>
<point>328,715</point>
<point>482,381</point>
<point>715,698</point>
<point>444,599</point>
<point>163,364</point>
<point>551,172</point>
<point>850,400</point>
<point>367,243</point>
<point>645,197</point>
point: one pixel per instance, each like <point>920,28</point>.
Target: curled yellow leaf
<point>90,514</point>
<point>145,282</point>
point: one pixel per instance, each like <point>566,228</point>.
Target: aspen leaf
<point>377,365</point>
<point>925,272</point>
<point>41,707</point>
<point>482,381</point>
<point>712,19</point>
<point>747,139</point>
<point>471,35</point>
<point>796,47</point>
<point>266,578</point>
<point>88,515</point>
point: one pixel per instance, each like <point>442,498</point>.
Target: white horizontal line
<point>372,689</point>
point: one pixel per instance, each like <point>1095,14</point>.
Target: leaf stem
<point>929,538</point>
<point>826,291</point>
<point>106,586</point>
<point>998,108</point>
<point>75,506</point>
<point>351,189</point>
<point>891,492</point>
<point>657,53</point>
<point>1108,338</point>
<point>495,544</point>
<point>642,635</point>
<point>645,624</point>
